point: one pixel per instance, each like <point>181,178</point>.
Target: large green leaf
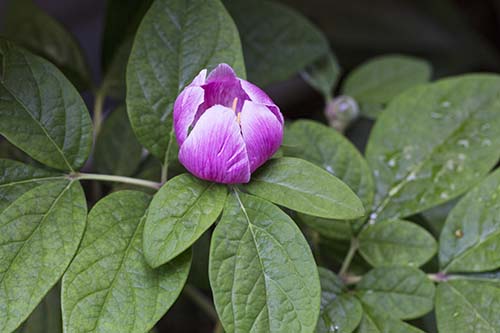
<point>302,186</point>
<point>434,142</point>
<point>109,287</point>
<point>323,74</point>
<point>41,112</point>
<point>182,210</point>
<point>376,321</point>
<point>401,292</point>
<point>396,243</point>
<point>278,42</point>
<point>47,316</point>
<point>376,82</point>
<point>31,27</point>
<point>468,304</point>
<point>262,272</point>
<point>39,235</point>
<point>117,150</point>
<point>470,240</point>
<point>328,149</point>
<point>176,39</point>
<point>17,178</point>
<point>339,312</point>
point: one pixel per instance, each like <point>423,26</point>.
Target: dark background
<point>456,36</point>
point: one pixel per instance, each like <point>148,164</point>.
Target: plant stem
<point>351,279</point>
<point>350,255</point>
<point>164,168</point>
<point>438,277</point>
<point>202,301</point>
<point>115,179</point>
<point>100,96</point>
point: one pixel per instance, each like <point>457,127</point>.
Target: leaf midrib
<point>44,130</point>
<point>249,227</point>
<point>402,183</point>
<point>118,271</point>
<point>6,272</point>
<point>44,216</point>
<point>305,193</point>
<point>31,180</point>
<point>472,248</point>
<point>478,315</point>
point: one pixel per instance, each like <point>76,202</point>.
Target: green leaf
<point>17,178</point>
<point>375,321</point>
<point>468,304</point>
<point>182,210</point>
<point>39,235</point>
<point>109,287</point>
<point>396,243</point>
<point>47,316</point>
<point>433,143</point>
<point>323,74</point>
<point>470,240</point>
<point>339,312</point>
<point>41,112</point>
<point>342,315</point>
<point>175,41</point>
<point>331,286</point>
<point>328,149</point>
<point>32,28</point>
<point>402,292</point>
<point>278,42</point>
<point>306,188</point>
<point>117,150</point>
<point>262,272</point>
<point>376,82</point>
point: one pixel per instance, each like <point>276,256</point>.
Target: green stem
<point>202,301</point>
<point>100,96</point>
<point>115,179</point>
<point>164,169</point>
<point>436,277</point>
<point>348,259</point>
<point>351,279</point>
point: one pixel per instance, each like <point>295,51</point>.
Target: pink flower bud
<point>226,127</point>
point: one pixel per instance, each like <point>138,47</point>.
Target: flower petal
<point>257,95</point>
<point>221,88</point>
<point>222,72</point>
<point>214,150</point>
<point>262,133</point>
<point>199,79</point>
<point>185,108</point>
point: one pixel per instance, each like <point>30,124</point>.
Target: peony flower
<point>226,127</point>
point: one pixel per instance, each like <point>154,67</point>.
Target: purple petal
<point>214,150</point>
<point>199,79</point>
<point>262,133</point>
<point>222,72</point>
<point>257,95</point>
<point>185,108</point>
